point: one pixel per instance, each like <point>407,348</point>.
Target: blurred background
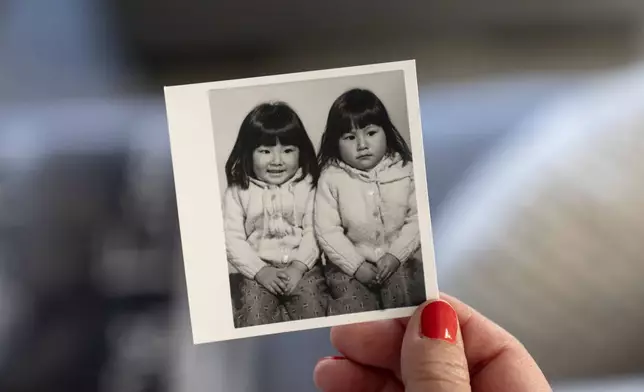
<point>533,121</point>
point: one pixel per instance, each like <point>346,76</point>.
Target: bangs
<point>361,120</point>
<point>357,109</point>
<point>289,135</point>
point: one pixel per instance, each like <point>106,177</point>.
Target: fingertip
<point>432,354</point>
<point>463,310</point>
<point>324,370</point>
<point>433,316</point>
<point>345,337</point>
<point>327,361</point>
<point>439,321</point>
<point>336,334</point>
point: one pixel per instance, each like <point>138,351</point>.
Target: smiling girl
<point>268,208</point>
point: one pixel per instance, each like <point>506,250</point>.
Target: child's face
<point>275,164</point>
<point>363,148</point>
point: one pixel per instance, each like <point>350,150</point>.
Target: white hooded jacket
<point>360,216</point>
<point>270,224</point>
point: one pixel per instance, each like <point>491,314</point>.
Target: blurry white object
<point>613,384</point>
<point>545,238</point>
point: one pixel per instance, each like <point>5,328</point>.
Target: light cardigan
<point>360,216</point>
<point>269,225</point>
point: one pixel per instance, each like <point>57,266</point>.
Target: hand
<point>292,275</point>
<point>387,265</point>
<point>366,273</point>
<point>430,352</point>
<point>268,278</point>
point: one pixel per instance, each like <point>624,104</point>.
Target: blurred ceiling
<point>183,26</point>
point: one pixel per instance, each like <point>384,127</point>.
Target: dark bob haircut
<point>356,109</point>
<point>266,125</point>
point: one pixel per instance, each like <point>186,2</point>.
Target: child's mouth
<point>274,171</point>
<point>364,156</point>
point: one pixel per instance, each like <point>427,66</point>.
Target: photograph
<point>302,200</point>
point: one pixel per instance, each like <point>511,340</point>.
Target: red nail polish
<point>439,321</point>
<point>335,358</point>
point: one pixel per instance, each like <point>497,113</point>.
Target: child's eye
<point>289,150</point>
<point>263,151</point>
<point>372,131</point>
<point>348,136</point>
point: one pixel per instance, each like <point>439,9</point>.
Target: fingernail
<point>333,358</point>
<point>439,321</point>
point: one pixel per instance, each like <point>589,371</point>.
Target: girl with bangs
<point>268,218</point>
<point>365,209</point>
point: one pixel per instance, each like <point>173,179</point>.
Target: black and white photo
<point>302,200</point>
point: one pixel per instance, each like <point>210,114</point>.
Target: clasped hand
<point>379,273</point>
<point>281,281</point>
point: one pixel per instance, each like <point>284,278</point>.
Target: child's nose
<point>277,159</point>
<point>361,142</point>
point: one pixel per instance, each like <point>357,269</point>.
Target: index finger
<point>270,288</point>
<point>283,275</point>
<point>375,344</point>
<point>487,346</point>
<point>495,358</point>
<point>281,284</point>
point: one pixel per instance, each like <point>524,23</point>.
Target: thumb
<point>432,357</point>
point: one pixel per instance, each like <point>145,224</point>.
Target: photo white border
<point>199,204</point>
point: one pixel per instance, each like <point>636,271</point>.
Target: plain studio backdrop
<point>310,99</point>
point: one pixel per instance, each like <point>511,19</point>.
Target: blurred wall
<point>452,41</point>
<point>64,48</point>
